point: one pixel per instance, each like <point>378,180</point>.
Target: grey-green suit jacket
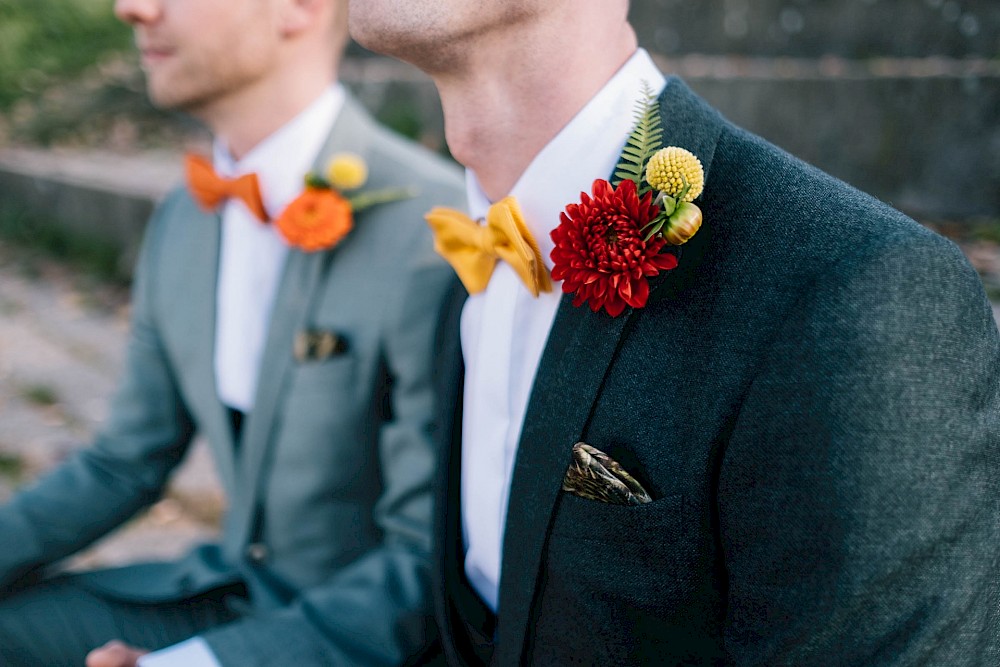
<point>332,477</point>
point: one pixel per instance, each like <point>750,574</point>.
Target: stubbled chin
<point>166,96</point>
<point>372,31</point>
<point>431,56</point>
<point>160,92</point>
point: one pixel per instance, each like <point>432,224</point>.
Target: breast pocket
<point>320,377</point>
<point>629,553</point>
<point>324,398</point>
<point>325,428</point>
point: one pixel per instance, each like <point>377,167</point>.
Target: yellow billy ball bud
<point>346,171</point>
<point>671,170</point>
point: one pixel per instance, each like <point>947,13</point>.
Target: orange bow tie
<point>473,249</point>
<point>209,189</point>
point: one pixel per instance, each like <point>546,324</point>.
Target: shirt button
<point>257,552</point>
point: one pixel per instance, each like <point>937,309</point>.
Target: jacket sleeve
<point>125,469</point>
<point>376,610</point>
<point>860,492</point>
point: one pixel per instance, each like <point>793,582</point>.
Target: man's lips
<point>153,55</point>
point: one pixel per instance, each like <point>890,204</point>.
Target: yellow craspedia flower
<point>672,169</point>
<point>346,171</point>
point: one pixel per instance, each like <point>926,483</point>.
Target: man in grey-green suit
<point>307,371</point>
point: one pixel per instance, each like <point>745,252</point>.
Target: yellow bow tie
<point>473,249</point>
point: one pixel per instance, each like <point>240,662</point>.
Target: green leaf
<point>644,140</point>
<point>669,205</point>
<point>363,200</point>
<point>654,230</point>
<point>316,180</point>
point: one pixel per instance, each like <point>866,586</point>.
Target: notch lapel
<point>201,274</point>
<point>290,313</point>
<point>580,349</point>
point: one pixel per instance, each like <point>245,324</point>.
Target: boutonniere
<point>324,213</point>
<point>624,232</point>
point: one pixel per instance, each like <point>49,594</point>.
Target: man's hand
<point>115,654</point>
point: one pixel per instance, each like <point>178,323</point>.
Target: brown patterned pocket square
<point>317,345</point>
<point>596,476</point>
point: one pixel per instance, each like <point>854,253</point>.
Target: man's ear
<point>299,15</point>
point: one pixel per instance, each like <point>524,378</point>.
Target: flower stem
<point>363,200</point>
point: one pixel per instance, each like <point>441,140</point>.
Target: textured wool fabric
<point>812,399</point>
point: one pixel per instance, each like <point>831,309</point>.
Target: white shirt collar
<point>282,160</point>
<point>577,155</point>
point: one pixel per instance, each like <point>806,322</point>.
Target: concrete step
<point>99,194</point>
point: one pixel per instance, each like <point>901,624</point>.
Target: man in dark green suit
<point>307,369</point>
<point>790,423</point>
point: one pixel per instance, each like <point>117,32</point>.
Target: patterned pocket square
<point>317,345</point>
<point>596,476</point>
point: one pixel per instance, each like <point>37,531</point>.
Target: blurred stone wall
<point>898,97</point>
<point>857,29</point>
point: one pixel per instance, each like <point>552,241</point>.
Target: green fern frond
<point>644,140</point>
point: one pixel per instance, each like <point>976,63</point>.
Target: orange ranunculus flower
<point>316,220</point>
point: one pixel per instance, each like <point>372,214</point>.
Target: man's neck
<point>508,99</point>
<point>242,121</point>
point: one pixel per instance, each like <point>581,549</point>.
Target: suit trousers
<point>57,621</point>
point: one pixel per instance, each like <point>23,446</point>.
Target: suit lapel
<point>202,272</point>
<point>292,309</point>
<point>580,348</point>
<point>290,313</point>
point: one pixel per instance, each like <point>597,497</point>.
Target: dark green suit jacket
<point>813,401</point>
<point>330,493</point>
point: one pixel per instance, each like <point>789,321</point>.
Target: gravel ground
<point>61,345</point>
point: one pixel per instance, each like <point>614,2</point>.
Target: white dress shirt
<point>252,254</point>
<point>504,329</point>
<point>251,259</point>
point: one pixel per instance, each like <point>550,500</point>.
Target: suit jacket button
<point>257,552</point>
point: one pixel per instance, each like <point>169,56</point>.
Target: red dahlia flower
<point>600,254</point>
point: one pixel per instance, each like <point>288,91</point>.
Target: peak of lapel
<point>580,349</point>
<point>300,281</point>
<point>688,122</point>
